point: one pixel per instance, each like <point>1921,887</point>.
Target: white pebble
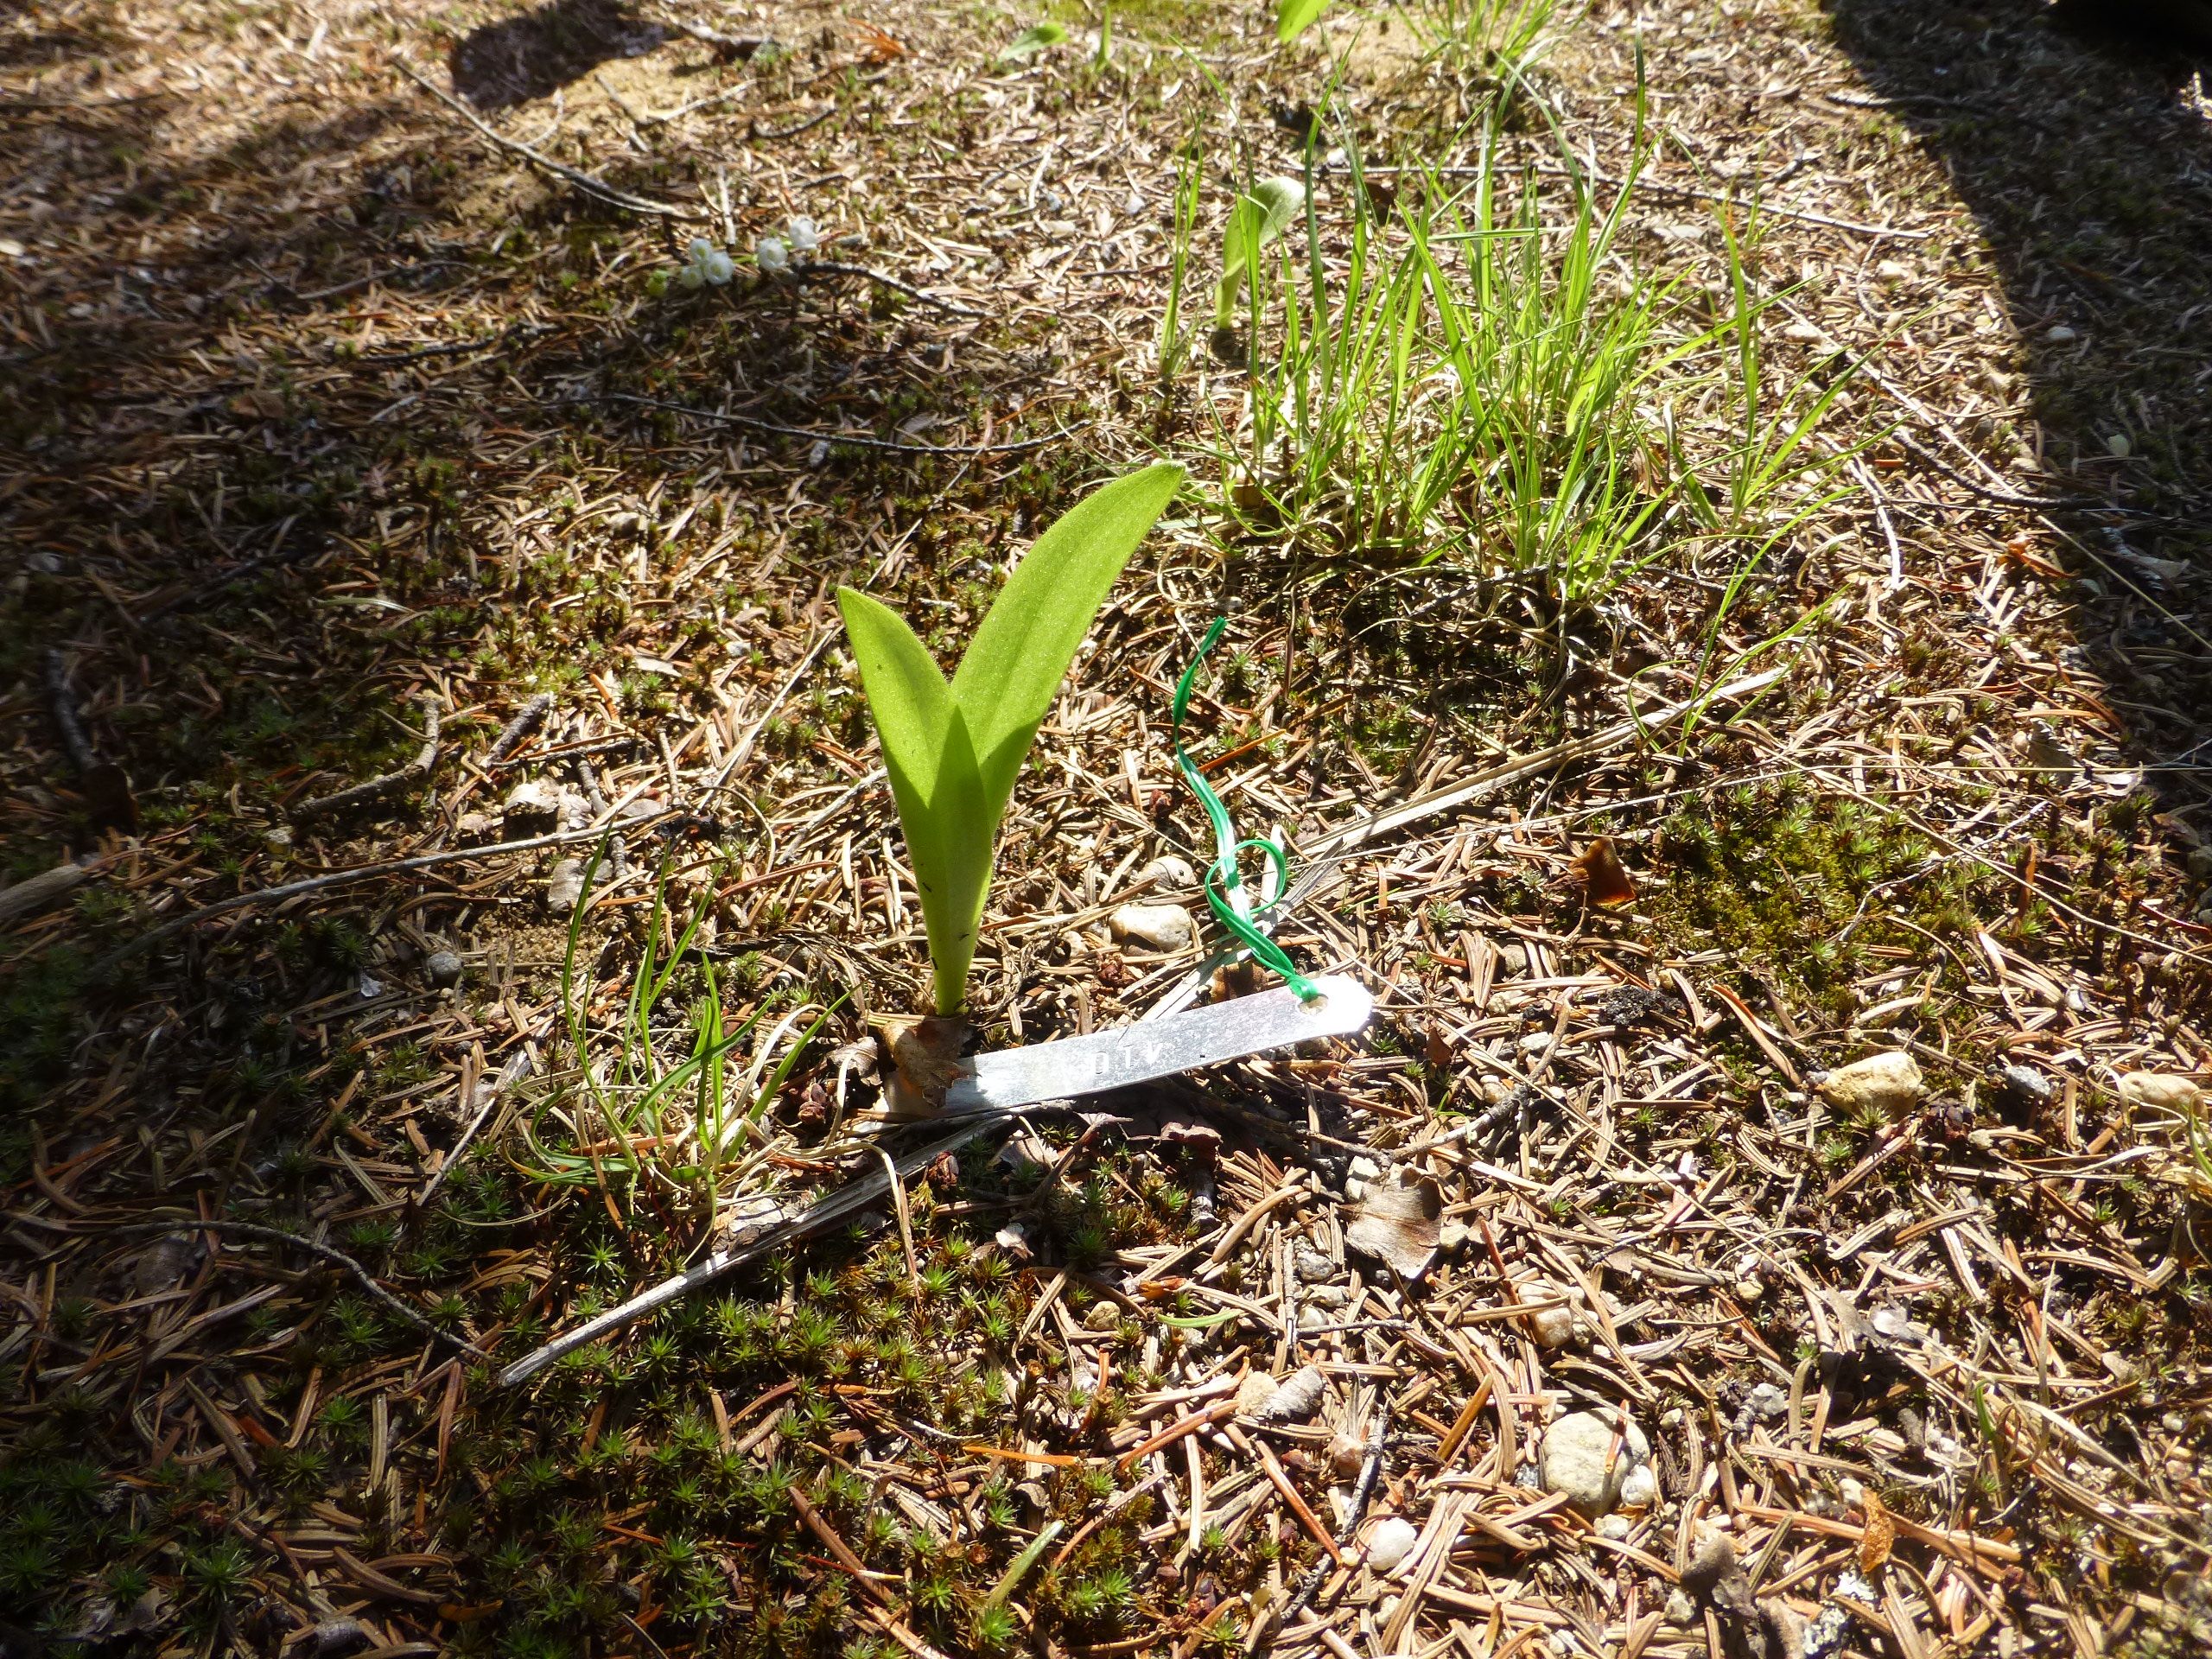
<point>1390,1542</point>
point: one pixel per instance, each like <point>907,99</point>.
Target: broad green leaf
<point>1031,42</point>
<point>1294,17</point>
<point>952,752</point>
<point>931,765</point>
<point>905,689</point>
<point>1007,681</point>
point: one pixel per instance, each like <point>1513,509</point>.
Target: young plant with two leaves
<point>953,748</point>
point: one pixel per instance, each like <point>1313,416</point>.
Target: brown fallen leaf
<point>1398,1225</point>
<point>1879,1537</point>
<point>1602,875</point>
<point>925,1060</point>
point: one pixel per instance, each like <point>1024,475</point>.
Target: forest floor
<point>1726,651</point>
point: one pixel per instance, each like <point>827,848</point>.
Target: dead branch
<point>425,760</point>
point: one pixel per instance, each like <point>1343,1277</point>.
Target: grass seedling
<point>952,749</point>
<point>661,1102</point>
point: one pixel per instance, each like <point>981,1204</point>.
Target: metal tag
<point>1158,1048</point>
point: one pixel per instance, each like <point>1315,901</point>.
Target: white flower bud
<point>717,267</point>
<point>805,235</point>
<point>770,254</point>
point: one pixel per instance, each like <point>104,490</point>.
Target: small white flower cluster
<point>774,254</point>
<point>705,264</point>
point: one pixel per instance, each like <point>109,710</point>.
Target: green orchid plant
<point>952,748</point>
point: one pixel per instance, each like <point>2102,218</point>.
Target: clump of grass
<point>652,1098</point>
<point>1479,372</point>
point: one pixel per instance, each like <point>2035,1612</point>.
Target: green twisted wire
<point>1224,885</point>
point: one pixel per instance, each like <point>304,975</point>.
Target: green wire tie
<point>1226,892</point>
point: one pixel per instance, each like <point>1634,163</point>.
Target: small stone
<point>1169,870</point>
<point>2023,1085</point>
<point>1768,1401</point>
<point>1347,1457</point>
<point>1711,1558</point>
<point>1891,271</point>
<point>1153,927</point>
<point>2061,335</point>
<point>564,886</point>
<point>1313,1267</point>
<point>1389,1541</point>
<point>2200,863</point>
<point>1681,1611</point>
<point>1364,1168</point>
<point>476,828</point>
<point>2155,1091</point>
<point>2117,445</point>
<point>1852,1491</point>
<point>1104,1316</point>
<point>1580,1460</point>
<point>1749,1290</point>
<point>1639,1488</point>
<point>1254,1392</point>
<point>1294,1399</point>
<point>1887,1083</point>
<point>442,968</point>
<point>1615,1527</point>
<point>1328,1299</point>
<point>1553,1327</point>
<point>532,805</point>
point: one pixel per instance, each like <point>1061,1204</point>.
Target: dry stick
<point>1328,852</point>
<point>856,439</point>
<point>362,872</point>
<point>517,1068</point>
<point>337,1258</point>
<point>759,1242</point>
<point>828,268</point>
<point>527,720</point>
<point>425,762</point>
<point>583,182</point>
<point>1319,1570</point>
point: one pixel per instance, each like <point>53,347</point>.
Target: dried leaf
<point>1602,875</point>
<point>1879,1537</point>
<point>1398,1226</point>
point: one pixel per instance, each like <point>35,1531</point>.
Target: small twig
<point>517,1068</point>
<point>425,762</point>
<point>527,720</point>
<point>807,125</point>
<point>808,271</point>
<point>2001,497</point>
<point>362,872</point>
<point>743,46</point>
<point>584,182</point>
<point>107,790</point>
<point>337,1258</point>
<point>1360,1494</point>
<point>856,440</point>
<point>756,1243</point>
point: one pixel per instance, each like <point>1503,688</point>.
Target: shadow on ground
<point>2085,154</point>
<point>534,56</point>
